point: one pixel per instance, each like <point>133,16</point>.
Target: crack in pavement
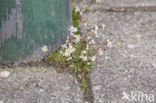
<point>127,9</point>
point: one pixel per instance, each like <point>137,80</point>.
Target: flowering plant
<point>77,53</point>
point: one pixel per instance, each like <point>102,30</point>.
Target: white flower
<point>94,31</point>
<point>84,58</point>
<point>96,28</point>
<point>96,34</point>
<point>61,52</point>
<point>44,48</point>
<point>71,33</point>
<point>67,41</point>
<point>103,25</point>
<point>109,44</point>
<point>67,53</point>
<point>81,13</point>
<point>72,30</point>
<point>77,9</point>
<point>71,49</point>
<point>77,38</point>
<point>84,52</point>
<point>93,59</point>
<point>100,52</point>
<point>87,48</point>
<point>64,46</point>
<point>88,63</point>
<point>69,58</point>
<point>98,1</point>
<point>89,37</point>
<point>92,42</point>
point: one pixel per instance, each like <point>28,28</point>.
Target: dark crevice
<point>88,93</point>
<point>127,9</point>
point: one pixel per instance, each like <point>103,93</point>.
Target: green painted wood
<point>27,25</point>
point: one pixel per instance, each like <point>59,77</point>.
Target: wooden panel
<point>27,25</point>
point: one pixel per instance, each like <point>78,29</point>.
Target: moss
<point>83,83</point>
<point>76,19</point>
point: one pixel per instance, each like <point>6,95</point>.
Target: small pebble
<point>131,46</point>
<point>97,87</point>
<point>1,101</point>
<point>4,74</point>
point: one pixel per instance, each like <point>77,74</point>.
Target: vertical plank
<point>27,25</point>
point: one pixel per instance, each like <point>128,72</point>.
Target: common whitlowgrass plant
<point>78,52</point>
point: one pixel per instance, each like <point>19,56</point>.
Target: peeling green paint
<point>43,22</point>
<point>5,9</point>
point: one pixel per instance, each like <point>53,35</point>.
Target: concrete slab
<point>118,3</point>
<point>130,65</point>
<point>127,3</point>
<point>39,85</point>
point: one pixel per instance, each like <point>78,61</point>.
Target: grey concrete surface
<point>119,3</point>
<point>39,85</point>
<point>126,3</point>
<point>130,65</point>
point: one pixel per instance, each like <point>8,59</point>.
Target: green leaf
<point>84,84</point>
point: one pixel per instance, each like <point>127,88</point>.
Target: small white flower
<point>92,42</point>
<point>67,41</point>
<point>95,32</point>
<point>61,52</point>
<point>84,58</point>
<point>96,28</point>
<point>100,52</point>
<point>88,63</point>
<point>77,9</point>
<point>77,38</point>
<point>87,48</point>
<point>109,44</point>
<point>98,1</point>
<point>44,48</point>
<point>67,53</point>
<point>89,37</point>
<point>103,25</point>
<point>64,46</point>
<point>81,13</point>
<point>93,59</point>
<point>71,49</point>
<point>71,33</point>
<point>68,59</point>
<point>84,52</point>
<point>72,30</point>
